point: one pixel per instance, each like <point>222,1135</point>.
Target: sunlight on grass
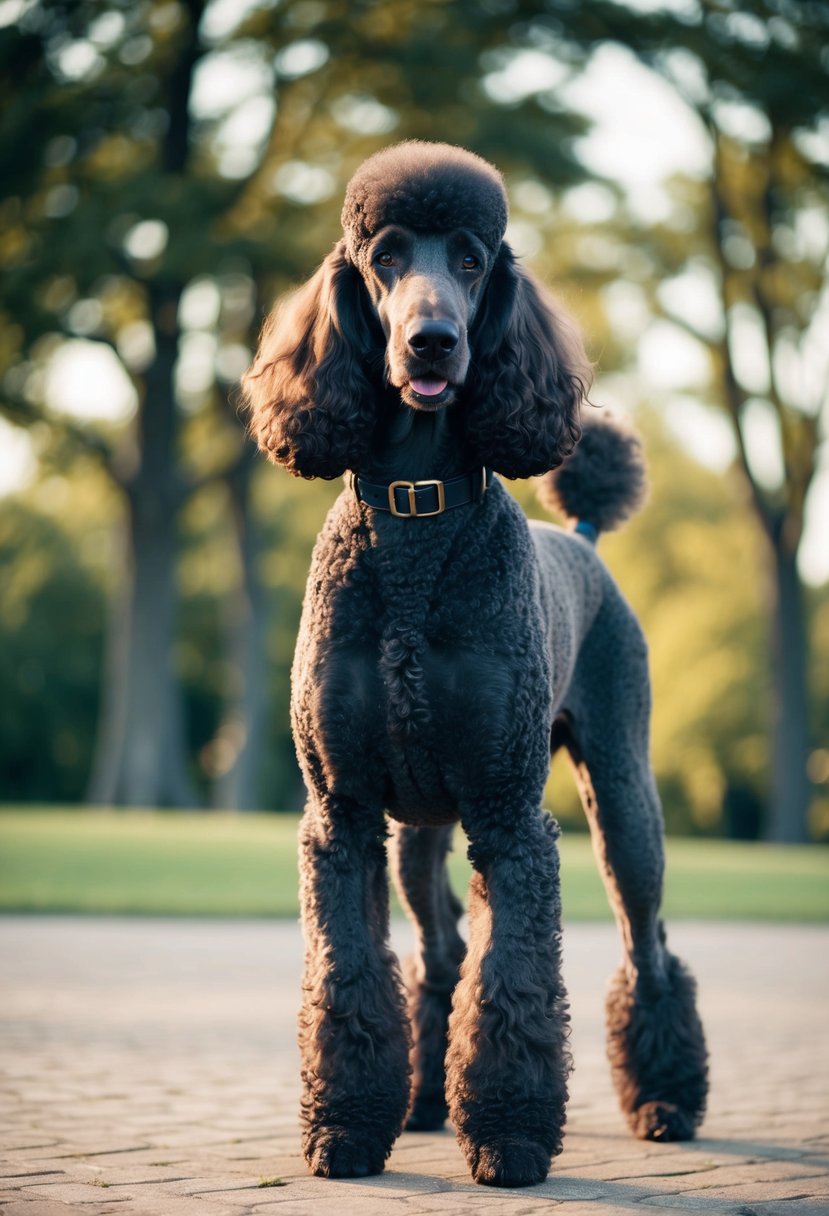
<point>221,864</point>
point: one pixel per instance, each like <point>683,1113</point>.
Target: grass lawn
<point>218,864</point>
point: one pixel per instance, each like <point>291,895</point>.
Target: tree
<point>757,76</point>
<point>87,169</point>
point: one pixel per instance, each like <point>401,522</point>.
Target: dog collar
<point>422,499</point>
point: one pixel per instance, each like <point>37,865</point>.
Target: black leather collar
<point>422,499</point>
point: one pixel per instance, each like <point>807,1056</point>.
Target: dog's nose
<point>433,340</point>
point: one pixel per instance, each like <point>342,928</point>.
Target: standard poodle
<point>446,649</point>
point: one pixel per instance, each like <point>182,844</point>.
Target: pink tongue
<point>428,388</point>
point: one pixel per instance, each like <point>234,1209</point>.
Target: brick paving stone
<point>153,1203</point>
<point>150,1069</point>
<point>313,1207</point>
<point>492,1203</point>
<point>803,1207</point>
<point>622,1205</point>
<point>18,1206</point>
<point>762,1191</point>
<point>72,1192</point>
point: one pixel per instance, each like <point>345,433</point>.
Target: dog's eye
<point>470,262</point>
<point>384,258</point>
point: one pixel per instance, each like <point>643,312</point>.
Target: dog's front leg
<point>352,1027</point>
<point>507,1063</point>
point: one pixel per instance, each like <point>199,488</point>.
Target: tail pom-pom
<point>603,481</point>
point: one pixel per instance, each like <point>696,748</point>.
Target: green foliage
<point>143,862</point>
<point>819,758</point>
<point>52,612</point>
<point>756,230</point>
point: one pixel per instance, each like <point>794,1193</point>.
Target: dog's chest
<point>409,724</point>
<point>421,709</point>
<point>412,684</point>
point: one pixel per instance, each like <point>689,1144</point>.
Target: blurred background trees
<point>174,164</point>
<point>756,76</point>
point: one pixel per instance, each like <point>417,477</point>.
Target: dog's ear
<point>310,401</point>
<point>528,376</point>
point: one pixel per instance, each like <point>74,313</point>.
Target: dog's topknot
<point>430,187</point>
<point>603,482</point>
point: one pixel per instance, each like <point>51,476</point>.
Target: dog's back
<point>596,489</point>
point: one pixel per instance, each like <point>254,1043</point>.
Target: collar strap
<point>420,499</point>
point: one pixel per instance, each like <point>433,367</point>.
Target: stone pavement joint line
<point>150,1069</point>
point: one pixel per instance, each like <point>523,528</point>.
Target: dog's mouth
<point>427,392</point>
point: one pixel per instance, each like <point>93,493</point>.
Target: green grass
<point>217,864</point>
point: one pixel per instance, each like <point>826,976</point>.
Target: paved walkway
<point>150,1070</point>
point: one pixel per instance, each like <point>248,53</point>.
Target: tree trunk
<point>243,729</point>
<point>111,725</point>
<point>789,817</point>
<point>141,758</point>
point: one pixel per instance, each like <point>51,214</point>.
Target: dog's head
<point>423,298</point>
<point>424,223</point>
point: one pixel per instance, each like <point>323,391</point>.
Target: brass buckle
<point>410,487</point>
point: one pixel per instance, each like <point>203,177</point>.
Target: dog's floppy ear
<point>528,377</point>
<point>308,394</point>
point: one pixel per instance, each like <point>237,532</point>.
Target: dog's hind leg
<point>507,1063</point>
<point>419,865</point>
<point>655,1039</point>
<point>352,1025</point>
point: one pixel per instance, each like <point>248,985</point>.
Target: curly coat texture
<point>603,481</point>
<point>439,661</point>
<point>655,1042</point>
<point>427,187</point>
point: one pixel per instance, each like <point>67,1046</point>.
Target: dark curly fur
<point>313,406</point>
<point>528,379</point>
<point>655,1043</point>
<point>439,661</point>
<point>603,481</point>
<point>428,187</point>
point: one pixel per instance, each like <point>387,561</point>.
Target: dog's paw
<point>662,1121</point>
<point>658,1055</point>
<point>427,1115</point>
<point>337,1152</point>
<point>512,1161</point>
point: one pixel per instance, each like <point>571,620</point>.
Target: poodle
<point>446,649</point>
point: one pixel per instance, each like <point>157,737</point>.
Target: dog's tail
<point>603,482</point>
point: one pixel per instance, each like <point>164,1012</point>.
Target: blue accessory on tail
<point>587,530</point>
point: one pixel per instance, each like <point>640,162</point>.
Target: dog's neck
<point>415,445</point>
